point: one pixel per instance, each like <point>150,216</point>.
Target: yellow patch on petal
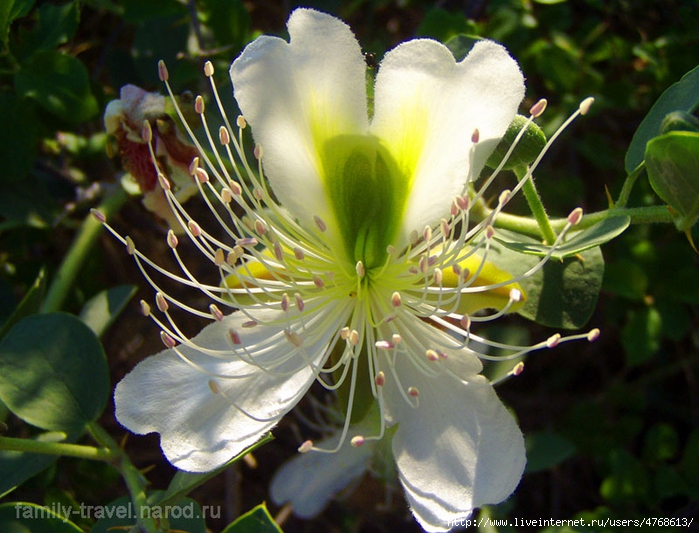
<point>243,282</point>
<point>407,143</point>
<point>489,274</point>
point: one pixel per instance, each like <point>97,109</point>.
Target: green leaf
<point>102,309</point>
<point>11,10</point>
<point>160,38</point>
<point>30,304</point>
<point>185,482</point>
<point>229,21</point>
<point>443,25</point>
<point>22,517</point>
<point>681,96</point>
<point>661,443</point>
<point>672,161</point>
<point>185,516</point>
<point>136,11</point>
<point>19,133</point>
<point>59,84</point>
<point>460,45</point>
<point>628,481</point>
<point>546,450</point>
<point>257,520</point>
<point>641,335</point>
<point>53,372</point>
<point>578,242</point>
<point>563,294</point>
<point>689,466</point>
<point>55,26</point>
<point>626,278</point>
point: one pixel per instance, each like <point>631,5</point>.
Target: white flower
<point>358,267</point>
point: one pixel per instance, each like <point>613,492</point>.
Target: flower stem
<point>79,250</point>
<point>628,185</point>
<point>56,448</point>
<point>535,204</point>
<point>135,482</point>
<point>657,214</point>
<point>109,452</point>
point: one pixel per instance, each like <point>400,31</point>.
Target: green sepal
<point>680,121</point>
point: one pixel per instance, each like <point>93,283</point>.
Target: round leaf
<point>562,294</point>
<point>53,372</point>
<point>681,96</point>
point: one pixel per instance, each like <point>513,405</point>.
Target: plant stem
<point>535,204</point>
<point>79,250</point>
<point>56,448</point>
<point>657,214</point>
<point>628,185</point>
<point>135,482</point>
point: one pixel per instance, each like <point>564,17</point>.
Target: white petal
<point>195,412</point>
<point>459,449</point>
<point>296,96</point>
<point>310,480</point>
<point>427,107</point>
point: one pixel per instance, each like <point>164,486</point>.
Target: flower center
<point>363,183</point>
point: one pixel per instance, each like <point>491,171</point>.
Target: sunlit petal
<point>203,405</point>
<point>296,96</point>
<point>427,107</point>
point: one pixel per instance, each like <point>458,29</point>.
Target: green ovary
<point>368,194</point>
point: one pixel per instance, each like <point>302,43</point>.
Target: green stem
<point>79,250</point>
<point>657,214</point>
<point>135,482</point>
<point>111,452</point>
<point>56,448</point>
<point>136,485</point>
<point>628,185</point>
<point>535,204</point>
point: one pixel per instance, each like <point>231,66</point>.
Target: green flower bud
<point>527,149</point>
<point>680,121</point>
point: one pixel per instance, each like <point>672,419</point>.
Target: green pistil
<point>363,184</point>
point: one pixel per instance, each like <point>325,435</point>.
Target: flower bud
<point>527,149</point>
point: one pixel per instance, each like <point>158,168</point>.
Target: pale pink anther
<point>161,302</point>
<point>162,71</point>
<point>167,339</point>
<point>538,108</point>
<point>216,312</point>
